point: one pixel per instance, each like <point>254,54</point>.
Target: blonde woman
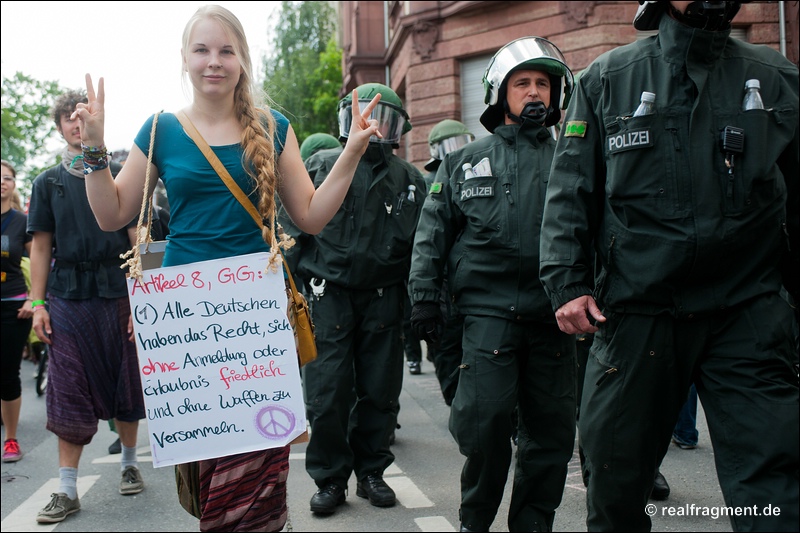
<point>245,492</point>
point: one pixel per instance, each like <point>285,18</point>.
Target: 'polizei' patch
<point>477,191</point>
<point>436,188</point>
<point>630,140</point>
<point>575,128</point>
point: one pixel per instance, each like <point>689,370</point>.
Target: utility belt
<point>87,266</point>
<point>318,286</point>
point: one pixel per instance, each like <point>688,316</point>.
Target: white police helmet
<point>528,53</point>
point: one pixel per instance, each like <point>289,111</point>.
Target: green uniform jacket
<point>673,229</point>
<point>367,244</point>
<point>485,229</point>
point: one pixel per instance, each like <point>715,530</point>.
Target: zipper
<point>507,187</point>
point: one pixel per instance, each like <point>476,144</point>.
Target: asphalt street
<point>425,476</point>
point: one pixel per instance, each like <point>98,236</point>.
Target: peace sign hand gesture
<point>91,115</point>
<point>362,128</point>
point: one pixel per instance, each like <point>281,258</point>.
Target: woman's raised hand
<point>91,115</point>
<point>362,128</point>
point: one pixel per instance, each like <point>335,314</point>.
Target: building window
<point>472,93</point>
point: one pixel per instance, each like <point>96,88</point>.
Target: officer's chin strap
<point>535,112</point>
<point>377,152</point>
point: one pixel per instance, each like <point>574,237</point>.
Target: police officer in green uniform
<point>445,137</point>
<point>689,208</point>
<point>356,269</point>
<point>480,221</point>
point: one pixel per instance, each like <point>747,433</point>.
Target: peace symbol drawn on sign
<point>275,422</point>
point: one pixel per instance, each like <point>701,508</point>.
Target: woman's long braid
<point>259,162</point>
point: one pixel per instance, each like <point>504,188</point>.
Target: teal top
<point>206,220</point>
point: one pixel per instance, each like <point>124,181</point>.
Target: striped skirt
<point>245,492</point>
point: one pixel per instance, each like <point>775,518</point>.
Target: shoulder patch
<point>575,128</point>
<point>436,188</point>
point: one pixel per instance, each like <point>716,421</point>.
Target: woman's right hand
<point>92,114</point>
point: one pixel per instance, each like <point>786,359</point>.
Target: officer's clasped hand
<point>427,321</point>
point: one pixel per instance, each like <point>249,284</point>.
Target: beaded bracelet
<point>94,152</point>
<point>94,158</point>
<point>89,168</point>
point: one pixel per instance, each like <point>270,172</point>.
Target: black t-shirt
<point>13,249</point>
<point>87,259</point>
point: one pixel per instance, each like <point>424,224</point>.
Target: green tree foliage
<point>27,125</point>
<point>303,74</point>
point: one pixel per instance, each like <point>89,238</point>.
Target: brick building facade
<point>433,53</point>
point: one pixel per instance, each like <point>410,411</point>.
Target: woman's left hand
<point>362,128</point>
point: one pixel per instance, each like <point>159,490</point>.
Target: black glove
<point>427,321</point>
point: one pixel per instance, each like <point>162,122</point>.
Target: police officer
<point>356,268</point>
<point>445,137</point>
<point>480,221</point>
<point>689,212</point>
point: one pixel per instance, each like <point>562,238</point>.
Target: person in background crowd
<point>445,137</point>
<point>16,309</point>
<point>356,269</point>
<point>689,225</point>
<point>316,142</point>
<point>685,434</point>
<point>480,224</point>
<point>258,147</point>
<point>93,368</point>
<point>411,343</point>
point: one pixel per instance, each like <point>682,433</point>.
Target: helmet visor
<point>541,52</point>
<point>391,121</point>
<point>440,148</point>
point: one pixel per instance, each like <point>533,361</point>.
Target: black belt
<point>86,266</point>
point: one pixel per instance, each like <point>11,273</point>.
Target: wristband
<point>92,166</point>
<point>37,303</point>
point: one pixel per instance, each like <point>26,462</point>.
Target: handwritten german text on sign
<point>217,359</point>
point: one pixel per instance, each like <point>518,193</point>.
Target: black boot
<point>660,488</point>
<point>326,499</point>
<point>375,489</point>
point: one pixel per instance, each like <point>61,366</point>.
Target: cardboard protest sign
<point>217,359</point>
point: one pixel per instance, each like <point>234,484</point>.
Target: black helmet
<point>527,53</point>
